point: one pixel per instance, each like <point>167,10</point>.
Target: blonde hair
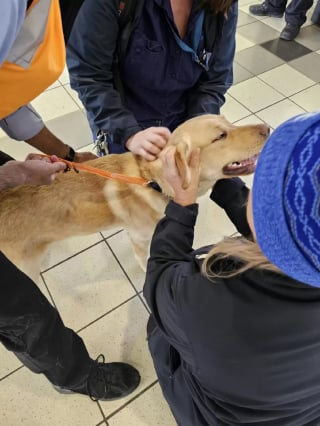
<point>245,253</point>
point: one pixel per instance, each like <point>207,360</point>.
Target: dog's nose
<point>264,130</point>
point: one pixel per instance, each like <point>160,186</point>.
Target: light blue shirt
<point>12,13</point>
<point>25,122</point>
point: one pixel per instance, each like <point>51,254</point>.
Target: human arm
<point>26,124</point>
<point>208,95</point>
<point>32,171</point>
<point>231,195</point>
<point>170,261</point>
<point>90,57</point>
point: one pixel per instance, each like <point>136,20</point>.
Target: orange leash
<point>104,173</point>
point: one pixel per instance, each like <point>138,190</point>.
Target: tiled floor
<point>95,282</point>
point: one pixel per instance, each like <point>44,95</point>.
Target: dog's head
<point>226,150</point>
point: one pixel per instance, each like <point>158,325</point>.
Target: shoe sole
<point>271,15</point>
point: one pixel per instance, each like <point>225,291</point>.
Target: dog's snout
<point>264,130</point>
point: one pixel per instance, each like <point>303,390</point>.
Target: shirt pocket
<point>145,62</point>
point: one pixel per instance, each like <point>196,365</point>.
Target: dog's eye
<point>222,135</point>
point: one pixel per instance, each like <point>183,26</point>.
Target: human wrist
<point>12,174</point>
<point>184,200</point>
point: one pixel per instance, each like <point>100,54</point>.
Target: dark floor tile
<point>240,74</point>
<point>286,50</point>
<point>309,65</point>
<point>257,60</point>
<point>310,37</point>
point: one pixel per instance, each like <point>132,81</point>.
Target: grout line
<point>131,400</point>
<point>73,255</point>
<point>11,372</point>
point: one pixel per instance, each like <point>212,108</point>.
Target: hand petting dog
<point>182,196</point>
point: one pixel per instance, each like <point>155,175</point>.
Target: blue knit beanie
<point>286,198</point>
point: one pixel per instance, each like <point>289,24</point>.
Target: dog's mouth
<point>240,168</point>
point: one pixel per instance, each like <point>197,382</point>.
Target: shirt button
<point>138,49</point>
<point>173,75</point>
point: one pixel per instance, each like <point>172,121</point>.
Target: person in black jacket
<point>139,80</point>
<point>234,330</point>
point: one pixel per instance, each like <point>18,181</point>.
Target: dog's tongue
<point>244,167</point>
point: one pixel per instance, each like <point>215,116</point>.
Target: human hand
<point>182,196</point>
<point>37,170</point>
<point>84,156</point>
<point>149,142</point>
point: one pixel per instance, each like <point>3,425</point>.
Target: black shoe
<point>289,32</point>
<point>107,381</point>
<point>262,10</point>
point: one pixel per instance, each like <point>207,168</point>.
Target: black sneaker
<point>107,381</point>
<point>262,10</point>
<point>290,32</point>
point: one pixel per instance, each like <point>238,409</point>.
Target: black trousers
<point>32,328</point>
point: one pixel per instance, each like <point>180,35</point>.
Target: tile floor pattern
<point>95,282</point>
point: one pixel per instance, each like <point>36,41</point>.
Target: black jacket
<point>239,351</point>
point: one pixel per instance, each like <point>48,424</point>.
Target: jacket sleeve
<point>208,95</point>
<point>90,55</point>
<point>169,266</point>
<point>232,195</point>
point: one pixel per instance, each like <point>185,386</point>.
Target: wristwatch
<point>71,154</point>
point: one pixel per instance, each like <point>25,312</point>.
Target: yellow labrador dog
<point>32,217</point>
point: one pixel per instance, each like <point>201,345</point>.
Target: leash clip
<point>100,143</point>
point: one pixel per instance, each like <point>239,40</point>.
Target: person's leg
<point>32,328</point>
<point>296,12</point>
<point>295,16</point>
<point>274,8</point>
<point>315,18</point>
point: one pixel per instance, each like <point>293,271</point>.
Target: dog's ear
<point>182,160</point>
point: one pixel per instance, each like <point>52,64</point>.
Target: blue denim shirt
<point>162,84</point>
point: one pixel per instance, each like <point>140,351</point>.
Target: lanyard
<point>203,62</point>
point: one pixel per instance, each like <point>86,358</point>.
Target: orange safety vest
<point>23,80</point>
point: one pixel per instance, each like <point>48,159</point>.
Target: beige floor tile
<point>54,85</point>
<point>233,110</point>
<point>255,94</point>
<point>54,103</point>
<point>279,112</point>
<point>74,96</point>
<point>149,409</point>
<point>9,363</point>
<point>293,83</point>
<point>29,399</point>
<point>121,246</point>
<point>121,336</point>
<point>89,284</point>
<point>17,150</point>
<point>62,250</point>
<point>72,129</point>
<point>308,99</point>
<point>242,43</point>
<point>251,119</point>
<point>64,77</point>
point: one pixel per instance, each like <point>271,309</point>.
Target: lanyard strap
<point>203,62</point>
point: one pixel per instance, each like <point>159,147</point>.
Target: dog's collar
<point>154,186</point>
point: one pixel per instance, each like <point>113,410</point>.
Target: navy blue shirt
<point>162,83</point>
<point>157,73</point>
